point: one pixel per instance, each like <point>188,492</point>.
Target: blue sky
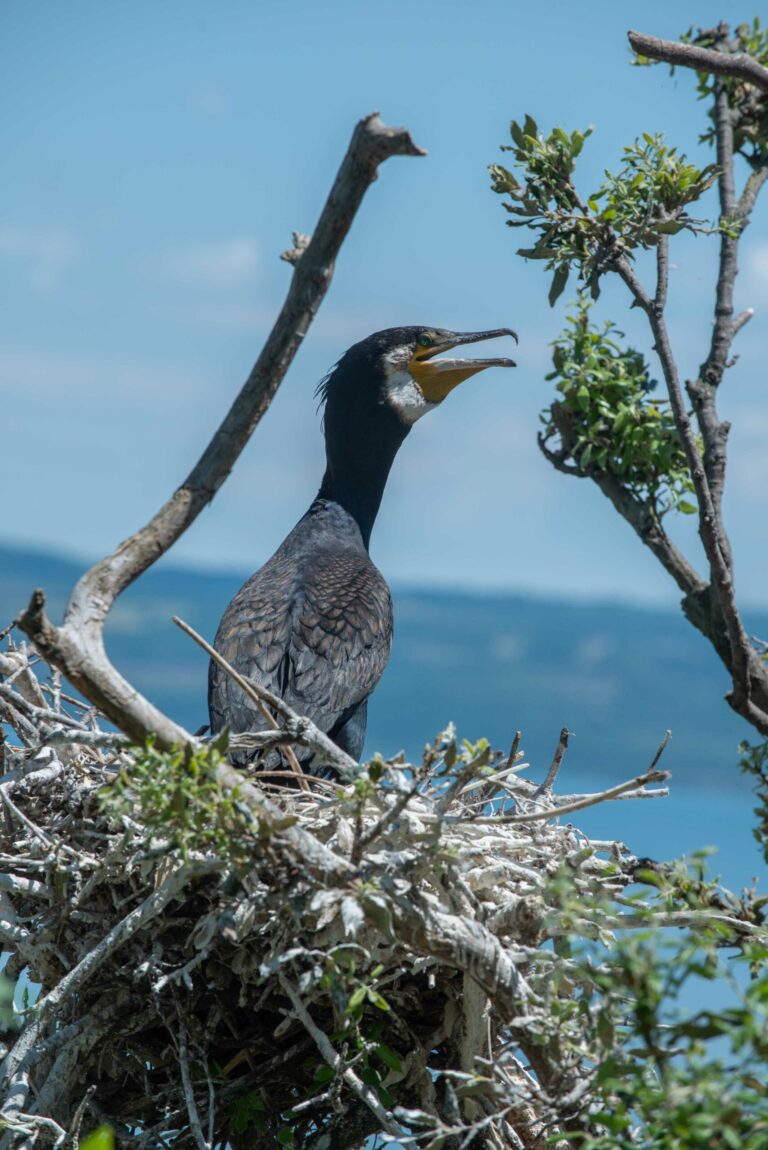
<point>158,158</point>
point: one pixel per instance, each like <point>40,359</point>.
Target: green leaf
<point>686,507</point>
<point>377,1000</point>
<point>385,1098</point>
<point>670,227</point>
<point>356,998</point>
<point>285,1136</point>
<point>530,127</point>
<point>220,742</point>
<point>102,1138</point>
<point>388,1057</point>
<point>377,910</point>
<point>516,132</point>
<point>370,1076</point>
<point>559,280</point>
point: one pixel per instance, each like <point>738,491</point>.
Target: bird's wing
<point>319,637</point>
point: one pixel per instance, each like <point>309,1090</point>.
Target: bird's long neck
<point>358,461</point>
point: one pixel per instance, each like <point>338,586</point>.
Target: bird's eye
<point>424,341</point>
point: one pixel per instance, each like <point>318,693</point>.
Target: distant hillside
<point>617,676</point>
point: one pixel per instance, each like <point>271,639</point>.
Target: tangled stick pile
<point>381,955</point>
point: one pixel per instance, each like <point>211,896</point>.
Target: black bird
<point>314,624</point>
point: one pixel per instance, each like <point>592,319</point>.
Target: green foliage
<point>668,1079</point>
<point>547,200</point>
<point>652,1073</point>
<point>754,762</point>
<point>102,1138</point>
<point>248,1113</point>
<point>178,799</point>
<point>632,209</point>
<point>351,989</point>
<point>646,198</point>
<point>607,419</point>
<point>8,1017</point>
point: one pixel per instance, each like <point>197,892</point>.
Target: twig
<point>6,798</point>
<point>8,628</point>
<point>75,1126</point>
<point>741,66</point>
<point>189,1094</point>
<point>549,781</point>
<point>585,800</point>
<point>25,730</point>
<point>385,820</point>
<point>336,1062</point>
<point>513,750</point>
<point>80,738</point>
<point>27,887</point>
<point>304,729</point>
<point>683,918</point>
<point>251,689</point>
<point>660,750</point>
<point>152,906</point>
<point>312,780</point>
<point>41,714</point>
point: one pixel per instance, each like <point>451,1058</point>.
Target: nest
<point>352,960</point>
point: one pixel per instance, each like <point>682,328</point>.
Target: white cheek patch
<point>407,398</point>
<point>401,390</point>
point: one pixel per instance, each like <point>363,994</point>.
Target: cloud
<point>218,265</point>
<point>43,255</point>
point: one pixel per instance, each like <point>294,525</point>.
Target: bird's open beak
<point>436,377</point>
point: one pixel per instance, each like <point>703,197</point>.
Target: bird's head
<point>406,369</point>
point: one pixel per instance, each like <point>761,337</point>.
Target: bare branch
<point>617,792</point>
<point>662,272</point>
<point>189,1094</point>
<point>77,647</point>
<point>549,782</point>
<point>740,66</point>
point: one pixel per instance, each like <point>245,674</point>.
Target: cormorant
<point>314,624</point>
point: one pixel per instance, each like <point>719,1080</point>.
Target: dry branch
<point>77,646</point>
<point>740,66</point>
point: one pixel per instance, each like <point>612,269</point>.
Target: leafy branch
<point>608,419</point>
<point>634,208</point>
<point>644,455</point>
